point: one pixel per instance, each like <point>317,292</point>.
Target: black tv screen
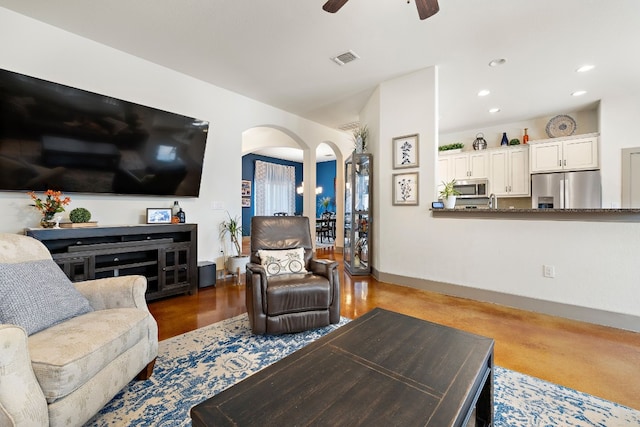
<point>57,137</point>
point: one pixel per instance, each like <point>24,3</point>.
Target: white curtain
<point>275,188</point>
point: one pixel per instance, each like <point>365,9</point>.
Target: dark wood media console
<point>166,254</point>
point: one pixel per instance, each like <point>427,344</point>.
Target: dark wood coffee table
<point>383,368</point>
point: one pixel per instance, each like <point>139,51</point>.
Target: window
<point>274,188</point>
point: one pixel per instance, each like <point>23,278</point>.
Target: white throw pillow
<point>282,261</point>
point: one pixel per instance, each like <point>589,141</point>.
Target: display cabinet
<point>357,214</point>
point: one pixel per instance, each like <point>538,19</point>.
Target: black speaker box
<point>206,274</point>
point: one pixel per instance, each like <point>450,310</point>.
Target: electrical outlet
<point>549,271</point>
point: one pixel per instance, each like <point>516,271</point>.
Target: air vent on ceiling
<point>345,58</point>
<point>348,127</point>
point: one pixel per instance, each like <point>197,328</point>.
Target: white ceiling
<point>279,51</point>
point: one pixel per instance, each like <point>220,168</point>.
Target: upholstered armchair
<point>66,349</point>
<point>287,290</point>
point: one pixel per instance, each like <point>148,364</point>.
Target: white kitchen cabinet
<point>443,169</point>
<point>478,164</point>
<point>461,166</point>
<point>564,154</point>
<point>509,172</point>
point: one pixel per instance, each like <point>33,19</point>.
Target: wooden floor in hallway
<point>594,359</point>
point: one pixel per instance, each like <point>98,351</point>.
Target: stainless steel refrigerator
<point>566,190</point>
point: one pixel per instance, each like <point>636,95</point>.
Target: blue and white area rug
<point>197,365</point>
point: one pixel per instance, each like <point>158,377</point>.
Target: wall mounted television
<point>54,136</point>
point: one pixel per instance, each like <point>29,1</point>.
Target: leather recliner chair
<point>293,301</point>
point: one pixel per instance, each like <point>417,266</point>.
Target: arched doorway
<point>277,143</point>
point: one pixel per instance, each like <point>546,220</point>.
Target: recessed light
<point>494,110</point>
<point>585,68</point>
<point>484,92</point>
<point>579,93</point>
<point>496,62</point>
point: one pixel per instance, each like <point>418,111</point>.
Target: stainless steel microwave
<point>471,188</point>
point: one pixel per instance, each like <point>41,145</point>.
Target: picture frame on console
<point>158,216</point>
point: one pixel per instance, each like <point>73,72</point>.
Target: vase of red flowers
<point>52,204</point>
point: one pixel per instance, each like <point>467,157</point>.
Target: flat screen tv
<point>54,136</point>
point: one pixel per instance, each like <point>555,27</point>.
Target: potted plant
<point>360,136</point>
<point>454,148</point>
<point>325,202</point>
<point>236,263</point>
<point>51,205</point>
<point>448,194</point>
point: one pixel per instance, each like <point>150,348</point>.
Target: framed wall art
<point>405,151</point>
<point>158,216</point>
<point>405,189</point>
<point>246,202</point>
<point>246,188</point>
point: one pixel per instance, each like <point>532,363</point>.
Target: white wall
<point>30,47</point>
<point>595,262</point>
<point>619,116</point>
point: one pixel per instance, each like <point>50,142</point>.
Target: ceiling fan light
<point>579,93</point>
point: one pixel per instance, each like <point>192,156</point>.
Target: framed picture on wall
<point>405,189</point>
<point>246,202</point>
<point>405,151</point>
<point>246,188</point>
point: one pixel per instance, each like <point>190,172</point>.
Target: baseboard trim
<point>568,311</point>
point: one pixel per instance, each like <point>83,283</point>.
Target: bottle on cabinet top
<point>525,137</point>
<point>182,218</point>
<point>505,140</point>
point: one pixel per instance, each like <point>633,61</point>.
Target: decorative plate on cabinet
<point>561,125</point>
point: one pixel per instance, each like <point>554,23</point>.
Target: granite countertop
<point>605,215</point>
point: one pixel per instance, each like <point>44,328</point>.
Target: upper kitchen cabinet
<point>509,172</point>
<point>564,154</point>
<point>461,166</point>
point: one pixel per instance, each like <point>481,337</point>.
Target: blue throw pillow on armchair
<point>37,295</point>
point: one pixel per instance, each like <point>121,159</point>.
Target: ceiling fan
<point>426,8</point>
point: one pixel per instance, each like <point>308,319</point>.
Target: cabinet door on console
<point>174,268</point>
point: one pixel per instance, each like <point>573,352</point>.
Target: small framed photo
<point>405,189</point>
<point>405,151</point>
<point>158,216</point>
<point>246,202</point>
<point>246,188</point>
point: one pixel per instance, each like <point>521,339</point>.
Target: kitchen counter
<point>603,215</point>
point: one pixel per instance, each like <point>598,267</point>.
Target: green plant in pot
<point>233,227</point>
<point>325,202</point>
<point>448,193</point>
<point>360,136</point>
<point>79,215</point>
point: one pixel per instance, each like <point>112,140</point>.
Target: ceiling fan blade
<point>427,8</point>
<point>332,6</point>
